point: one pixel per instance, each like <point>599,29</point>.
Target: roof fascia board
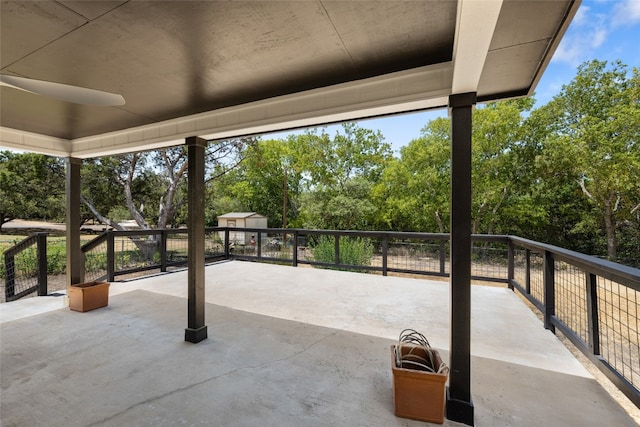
<point>568,18</point>
<point>410,90</point>
<point>475,26</point>
<point>34,142</point>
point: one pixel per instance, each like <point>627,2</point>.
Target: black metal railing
<point>126,253</point>
<point>594,302</point>
<point>424,254</point>
<point>25,268</point>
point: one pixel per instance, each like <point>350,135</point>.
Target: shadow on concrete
<point>125,364</point>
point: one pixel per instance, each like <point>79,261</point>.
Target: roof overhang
<point>356,60</point>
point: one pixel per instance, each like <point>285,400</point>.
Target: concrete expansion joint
<point>210,379</point>
<point>304,350</point>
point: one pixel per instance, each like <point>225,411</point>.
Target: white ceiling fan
<point>75,94</point>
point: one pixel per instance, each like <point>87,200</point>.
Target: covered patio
<point>196,72</point>
<point>287,346</point>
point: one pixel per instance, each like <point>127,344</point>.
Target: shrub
<point>353,251</point>
<point>56,257</point>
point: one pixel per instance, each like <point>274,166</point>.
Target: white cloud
<point>598,37</point>
<point>581,15</point>
<point>569,51</point>
<point>626,12</point>
<point>588,31</point>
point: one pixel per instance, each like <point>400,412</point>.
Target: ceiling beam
<point>405,91</point>
<point>476,24</point>
<point>34,142</point>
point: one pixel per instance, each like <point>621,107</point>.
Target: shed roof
<point>226,69</point>
<point>239,215</point>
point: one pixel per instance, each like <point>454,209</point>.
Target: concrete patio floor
<point>287,347</point>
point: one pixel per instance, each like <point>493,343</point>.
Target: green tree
<point>152,185</point>
<point>594,128</point>
<point>548,176</point>
<point>129,180</point>
<point>340,173</point>
<point>268,182</point>
<point>414,190</point>
<point>499,201</point>
<point>31,187</point>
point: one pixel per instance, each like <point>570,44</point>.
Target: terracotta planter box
<point>417,394</point>
<point>88,296</point>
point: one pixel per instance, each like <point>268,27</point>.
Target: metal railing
<point>593,302</point>
<point>424,254</point>
<point>127,253</point>
<point>25,268</point>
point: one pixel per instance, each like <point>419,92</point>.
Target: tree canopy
<point>31,186</point>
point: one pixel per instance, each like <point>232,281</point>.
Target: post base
<point>459,410</point>
<point>195,335</point>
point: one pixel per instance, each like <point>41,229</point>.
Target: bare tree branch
<point>103,219</point>
<point>584,188</point>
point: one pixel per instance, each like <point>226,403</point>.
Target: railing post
<point>10,276</point>
<point>385,250</point>
<point>512,264</point>
<point>226,243</point>
<point>549,291</point>
<point>259,245</point>
<point>163,250</point>
<point>337,248</point>
<point>42,264</point>
<point>111,256</point>
<point>443,256</point>
<point>527,271</point>
<point>295,248</point>
<point>592,312</point>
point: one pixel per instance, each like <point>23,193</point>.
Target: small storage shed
<point>242,220</point>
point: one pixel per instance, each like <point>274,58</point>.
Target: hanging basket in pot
<point>419,378</point>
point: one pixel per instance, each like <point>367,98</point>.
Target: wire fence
<point>95,264</point>
<point>418,256</point>
<point>619,328</point>
<point>593,302</point>
<point>24,268</point>
<point>571,298</point>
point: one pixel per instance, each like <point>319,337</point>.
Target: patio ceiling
<point>226,69</point>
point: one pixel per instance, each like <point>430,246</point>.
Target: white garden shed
<point>242,220</point>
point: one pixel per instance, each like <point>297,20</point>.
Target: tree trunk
<point>610,228</point>
<point>176,169</point>
<point>146,244</point>
<point>285,200</point>
<point>440,223</point>
<point>476,221</point>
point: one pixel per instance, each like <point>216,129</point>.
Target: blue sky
<point>602,29</point>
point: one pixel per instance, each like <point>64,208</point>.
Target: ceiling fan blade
<point>75,94</point>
